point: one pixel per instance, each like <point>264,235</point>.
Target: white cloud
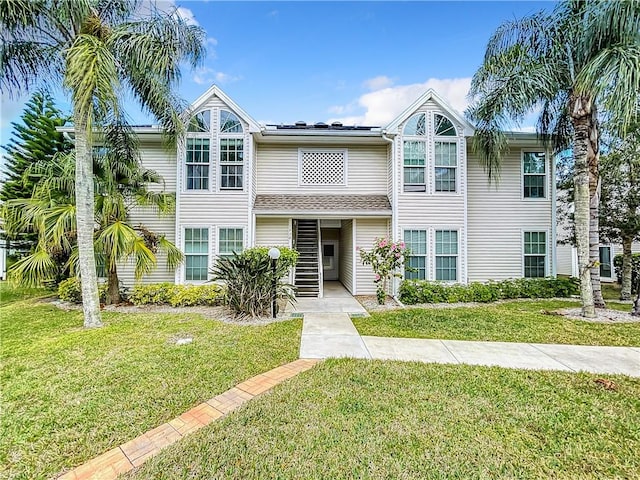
<point>383,105</point>
<point>377,83</point>
<point>207,76</point>
<point>187,15</point>
<point>169,7</point>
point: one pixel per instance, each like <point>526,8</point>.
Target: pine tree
<point>33,140</point>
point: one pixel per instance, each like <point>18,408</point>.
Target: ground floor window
<point>416,242</point>
<point>605,262</point>
<point>230,240</point>
<point>535,254</point>
<point>196,251</point>
<point>447,255</point>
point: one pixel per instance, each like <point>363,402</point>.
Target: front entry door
<point>330,260</point>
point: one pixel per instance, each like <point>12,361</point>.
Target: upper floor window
<point>423,146</point>
<point>197,162</point>
<point>446,162</point>
<point>416,242</point>
<point>414,166</point>
<point>231,163</point>
<point>229,122</point>
<point>200,122</point>
<point>534,174</point>
<point>443,126</point>
<point>416,125</point>
<point>535,254</point>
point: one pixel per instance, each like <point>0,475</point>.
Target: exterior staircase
<point>307,276</point>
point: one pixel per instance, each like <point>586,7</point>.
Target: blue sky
<point>358,62</point>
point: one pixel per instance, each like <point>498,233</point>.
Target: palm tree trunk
<point>635,311</point>
<point>627,258</point>
<point>113,287</point>
<point>581,115</point>
<point>593,157</point>
<point>85,224</point>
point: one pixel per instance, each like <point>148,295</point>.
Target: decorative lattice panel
<point>322,168</point>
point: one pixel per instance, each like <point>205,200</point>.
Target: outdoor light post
<point>274,255</point>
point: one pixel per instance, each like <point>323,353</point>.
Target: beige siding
<point>366,232</point>
<point>497,217</point>
<point>272,231</point>
<point>564,259</point>
<point>277,170</point>
<point>154,157</point>
<point>346,249</point>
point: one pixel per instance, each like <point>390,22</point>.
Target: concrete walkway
<point>326,335</point>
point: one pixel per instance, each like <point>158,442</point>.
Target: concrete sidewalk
<point>330,335</point>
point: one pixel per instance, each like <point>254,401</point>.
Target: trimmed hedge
<point>69,290</point>
<point>635,270</point>
<point>177,295</point>
<point>424,291</point>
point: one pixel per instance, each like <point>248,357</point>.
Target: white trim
<point>464,190</point>
<point>345,167</point>
<point>355,256</point>
<point>554,207</point>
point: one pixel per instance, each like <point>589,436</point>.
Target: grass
<point>528,321</point>
<point>70,394</point>
<point>349,419</point>
<point>610,291</point>
<point>10,294</point>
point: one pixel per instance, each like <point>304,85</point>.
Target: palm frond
<point>174,255</point>
<point>145,260</point>
<point>118,242</point>
<point>34,269</point>
<point>612,77</point>
<point>92,77</point>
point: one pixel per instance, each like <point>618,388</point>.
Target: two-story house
<point>329,190</point>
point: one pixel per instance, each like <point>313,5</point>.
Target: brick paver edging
<point>135,452</point>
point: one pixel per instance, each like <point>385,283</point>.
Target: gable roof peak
<point>430,94</point>
<point>216,91</point>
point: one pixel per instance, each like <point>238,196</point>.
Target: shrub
<point>177,295</point>
<point>423,291</point>
<point>249,279</point>
<point>69,290</point>
<point>386,259</point>
<point>194,295</point>
<point>635,270</point>
<point>153,294</point>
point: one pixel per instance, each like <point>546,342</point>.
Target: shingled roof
<point>335,204</point>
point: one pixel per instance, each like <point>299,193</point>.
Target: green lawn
<point>9,294</point>
<point>70,394</point>
<point>350,419</point>
<point>504,322</point>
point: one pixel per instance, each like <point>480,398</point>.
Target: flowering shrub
<point>385,258</point>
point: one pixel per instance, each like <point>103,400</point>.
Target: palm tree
<point>120,185</point>
<point>581,57</point>
<point>96,49</point>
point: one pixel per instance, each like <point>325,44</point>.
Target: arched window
<point>229,122</point>
<point>443,126</point>
<point>200,122</point>
<point>415,125</point>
